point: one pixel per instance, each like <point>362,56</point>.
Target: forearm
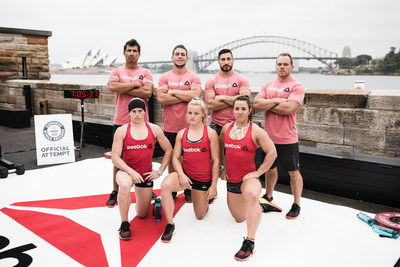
<point>285,108</point>
<point>265,104</point>
<point>216,105</point>
<point>186,96</point>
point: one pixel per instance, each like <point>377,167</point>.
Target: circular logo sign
<point>54,130</point>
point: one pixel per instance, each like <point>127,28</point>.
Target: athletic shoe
<point>246,251</point>
<point>210,201</point>
<point>125,231</point>
<point>268,206</point>
<point>112,201</point>
<point>188,195</point>
<point>294,212</point>
<point>267,198</point>
<point>153,195</point>
<point>168,233</point>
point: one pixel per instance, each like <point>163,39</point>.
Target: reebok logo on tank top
<point>233,146</point>
<point>287,90</point>
<point>234,85</point>
<point>139,147</point>
<point>187,83</point>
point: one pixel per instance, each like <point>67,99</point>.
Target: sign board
<point>54,139</point>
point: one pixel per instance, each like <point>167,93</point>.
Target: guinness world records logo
<point>54,131</point>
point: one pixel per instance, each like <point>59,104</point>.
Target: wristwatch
<point>160,172</point>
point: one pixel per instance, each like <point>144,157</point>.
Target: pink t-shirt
<point>282,128</point>
<point>174,116</point>
<point>229,86</point>
<point>125,75</point>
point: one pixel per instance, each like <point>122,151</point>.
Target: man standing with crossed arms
<point>280,99</point>
<point>175,89</point>
<point>221,90</point>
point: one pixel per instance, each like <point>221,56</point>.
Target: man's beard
<point>179,66</point>
<point>226,70</point>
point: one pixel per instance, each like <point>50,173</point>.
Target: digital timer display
<point>91,93</point>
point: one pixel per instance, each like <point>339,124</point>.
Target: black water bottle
<point>157,210</point>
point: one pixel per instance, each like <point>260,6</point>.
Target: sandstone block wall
<point>341,120</point>
<point>24,54</point>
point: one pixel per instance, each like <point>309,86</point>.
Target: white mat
<point>323,235</point>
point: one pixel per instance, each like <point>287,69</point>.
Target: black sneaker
<point>112,201</point>
<point>153,195</point>
<point>188,195</point>
<point>168,233</point>
<point>267,198</point>
<point>268,206</point>
<point>246,251</point>
<point>210,201</point>
<point>125,231</point>
<point>294,212</point>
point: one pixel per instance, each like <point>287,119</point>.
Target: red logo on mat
<point>81,243</point>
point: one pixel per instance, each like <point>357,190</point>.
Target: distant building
<point>346,52</point>
<point>92,58</point>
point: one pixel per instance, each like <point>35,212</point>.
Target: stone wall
<point>354,121</point>
<point>24,54</point>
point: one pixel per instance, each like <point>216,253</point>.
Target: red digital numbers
<point>92,93</point>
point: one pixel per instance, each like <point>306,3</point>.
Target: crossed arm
<point>136,88</point>
<point>281,106</point>
<point>174,96</point>
<point>218,102</point>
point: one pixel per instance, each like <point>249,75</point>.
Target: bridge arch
<point>315,52</point>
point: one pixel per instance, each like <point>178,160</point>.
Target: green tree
<point>362,60</point>
<point>344,62</point>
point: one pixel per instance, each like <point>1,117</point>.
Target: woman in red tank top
<point>239,141</point>
<point>136,140</point>
<point>198,145</point>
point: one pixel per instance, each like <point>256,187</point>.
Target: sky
<point>367,26</point>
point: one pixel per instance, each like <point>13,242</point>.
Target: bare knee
<point>239,220</point>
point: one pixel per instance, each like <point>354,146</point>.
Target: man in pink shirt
<point>280,99</point>
<point>175,89</point>
<point>221,90</point>
<point>128,82</point>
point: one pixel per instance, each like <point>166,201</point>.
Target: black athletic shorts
<point>145,184</point>
<point>216,127</point>
<point>234,187</point>
<point>202,186</point>
<point>171,138</point>
<point>288,157</point>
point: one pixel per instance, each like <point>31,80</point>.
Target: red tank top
<point>239,155</point>
<point>196,157</point>
<point>138,154</point>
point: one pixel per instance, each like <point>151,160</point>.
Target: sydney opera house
<point>93,57</point>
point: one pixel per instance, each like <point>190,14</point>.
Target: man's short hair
<point>132,42</point>
<point>179,46</point>
<point>286,55</point>
<point>224,51</point>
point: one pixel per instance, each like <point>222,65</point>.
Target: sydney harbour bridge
<point>258,48</point>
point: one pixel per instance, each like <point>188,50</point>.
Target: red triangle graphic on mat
<point>84,243</point>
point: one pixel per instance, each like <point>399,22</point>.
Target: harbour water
<point>257,80</point>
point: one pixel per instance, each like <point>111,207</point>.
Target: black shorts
<point>234,187</point>
<point>145,184</point>
<point>216,127</point>
<point>171,138</point>
<point>288,157</point>
<point>202,186</point>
